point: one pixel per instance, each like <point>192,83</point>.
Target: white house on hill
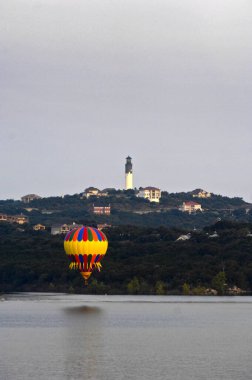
<point>199,193</point>
<point>29,197</point>
<point>93,191</point>
<point>190,207</point>
<point>153,194</point>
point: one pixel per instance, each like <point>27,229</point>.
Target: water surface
<point>58,336</point>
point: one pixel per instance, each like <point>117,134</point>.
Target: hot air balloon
<point>85,247</point>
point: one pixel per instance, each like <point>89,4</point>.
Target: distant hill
<point>127,208</point>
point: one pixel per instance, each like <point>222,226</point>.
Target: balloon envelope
<point>85,247</point>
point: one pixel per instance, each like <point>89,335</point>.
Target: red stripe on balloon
<point>103,236</point>
<point>76,235</point>
<point>85,262</point>
<point>85,234</point>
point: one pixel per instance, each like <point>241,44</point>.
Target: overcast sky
<point>85,83</point>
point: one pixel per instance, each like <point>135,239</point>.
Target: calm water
<point>50,336</point>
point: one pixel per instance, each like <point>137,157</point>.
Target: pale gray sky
<point>85,83</point>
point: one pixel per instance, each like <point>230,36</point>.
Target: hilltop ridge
<point>125,207</point>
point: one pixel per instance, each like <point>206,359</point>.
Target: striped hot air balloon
<point>85,247</point>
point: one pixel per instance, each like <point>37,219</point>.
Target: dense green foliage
<point>140,260</point>
<point>143,257</point>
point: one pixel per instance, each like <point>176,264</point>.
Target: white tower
<point>128,174</point>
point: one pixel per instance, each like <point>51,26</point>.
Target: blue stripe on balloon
<point>97,258</point>
<point>80,234</point>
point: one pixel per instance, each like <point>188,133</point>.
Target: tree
<point>160,288</point>
<point>186,289</point>
<point>133,286</point>
<point>199,290</point>
<point>219,282</point>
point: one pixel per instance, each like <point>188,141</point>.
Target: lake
<point>61,336</point>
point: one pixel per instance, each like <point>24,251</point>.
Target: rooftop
<point>151,188</point>
<point>191,203</point>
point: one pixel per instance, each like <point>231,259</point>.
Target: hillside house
<point>19,219</point>
<point>153,194</point>
<point>199,193</point>
<point>3,218</point>
<point>184,237</point>
<point>93,191</point>
<point>190,207</point>
<point>101,210</point>
<point>58,229</point>
<point>214,235</point>
<point>103,225</point>
<point>39,227</point>
<point>30,197</point>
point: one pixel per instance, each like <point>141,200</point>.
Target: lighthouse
<point>128,174</point>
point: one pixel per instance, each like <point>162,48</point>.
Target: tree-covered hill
<point>127,208</point>
<point>139,260</point>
